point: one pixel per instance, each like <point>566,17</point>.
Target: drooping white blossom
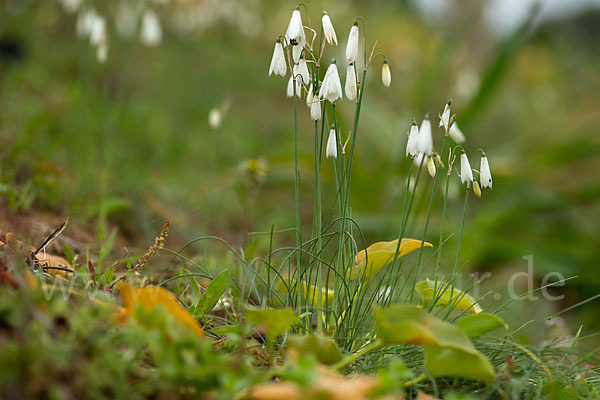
<point>331,88</point>
<point>151,31</point>
<point>278,64</point>
<point>352,45</point>
<point>328,29</point>
<point>309,97</point>
<point>350,87</point>
<point>294,35</point>
<point>456,134</point>
<point>71,6</point>
<point>425,142</point>
<point>215,118</point>
<point>466,174</point>
<point>331,149</point>
<point>302,70</point>
<point>386,74</point>
<point>315,110</point>
<point>85,22</point>
<point>97,30</point>
<point>290,88</point>
<point>297,53</point>
<point>413,139</point>
<point>485,175</point>
<point>295,31</point>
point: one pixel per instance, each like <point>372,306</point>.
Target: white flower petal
<point>466,174</point>
<point>352,45</point>
<point>331,149</point>
<point>350,87</point>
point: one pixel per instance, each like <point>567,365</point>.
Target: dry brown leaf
<point>425,396</point>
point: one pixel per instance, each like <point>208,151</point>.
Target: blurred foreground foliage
<point>129,141</point>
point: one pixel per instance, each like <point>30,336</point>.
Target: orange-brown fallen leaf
<point>330,386</point>
<point>49,260</point>
<point>153,296</point>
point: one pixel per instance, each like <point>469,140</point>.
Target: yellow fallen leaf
<point>379,255</point>
<point>460,300</point>
<point>153,296</point>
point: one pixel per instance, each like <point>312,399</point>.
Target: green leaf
<point>274,322</point>
<point>477,325</point>
<point>213,293</point>
<point>447,361</point>
<point>322,347</point>
<point>445,345</point>
<point>460,300</point>
<point>194,288</point>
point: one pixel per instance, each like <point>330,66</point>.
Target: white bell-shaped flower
<point>466,174</point>
<point>328,29</point>
<point>151,31</point>
<point>425,142</point>
<point>331,88</point>
<point>309,97</point>
<point>290,88</point>
<point>97,30</point>
<point>315,110</point>
<point>413,139</point>
<point>331,149</point>
<point>386,74</point>
<point>301,71</point>
<point>85,22</point>
<point>352,45</point>
<point>278,64</point>
<point>215,118</point>
<point>485,176</point>
<point>456,134</point>
<point>295,31</point>
<point>297,53</point>
<point>350,87</point>
<point>295,35</point>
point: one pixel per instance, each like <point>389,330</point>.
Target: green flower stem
<point>346,177</point>
<point>442,226</point>
<point>460,238</point>
<point>376,345</point>
<point>431,199</point>
<point>412,382</point>
<point>297,200</point>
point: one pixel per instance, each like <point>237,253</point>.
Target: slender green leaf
<point>194,288</point>
<point>213,293</point>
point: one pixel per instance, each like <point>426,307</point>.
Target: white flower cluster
<point>301,54</point>
<point>92,25</point>
<point>420,148</point>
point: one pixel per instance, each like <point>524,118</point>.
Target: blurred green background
<point>128,142</point>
